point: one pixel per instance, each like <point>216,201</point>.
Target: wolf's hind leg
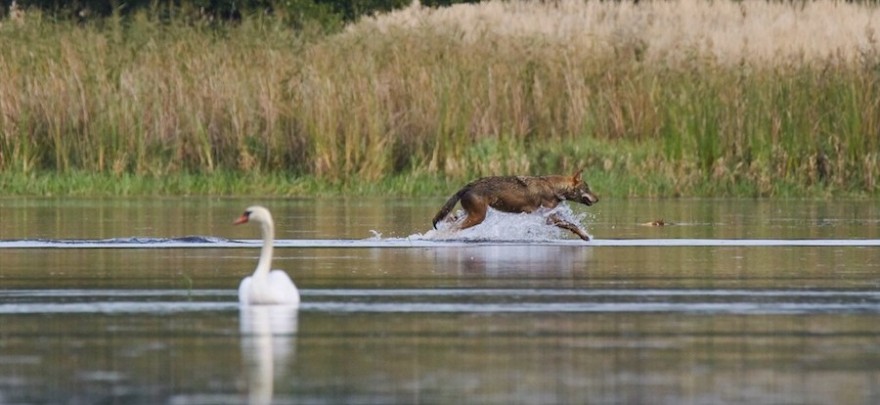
<point>475,209</point>
<point>473,219</point>
<point>555,220</point>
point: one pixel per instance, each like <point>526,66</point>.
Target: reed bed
<point>656,99</point>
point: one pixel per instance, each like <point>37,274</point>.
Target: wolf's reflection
<point>511,259</point>
<point>267,346</point>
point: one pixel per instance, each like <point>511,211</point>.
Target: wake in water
<point>133,240</point>
<point>503,227</point>
<point>126,242</point>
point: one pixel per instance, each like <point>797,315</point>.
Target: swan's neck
<point>265,263</point>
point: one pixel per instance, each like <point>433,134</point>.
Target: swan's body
<point>265,287</point>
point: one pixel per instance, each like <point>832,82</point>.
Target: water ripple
<point>214,242</point>
<point>161,302</point>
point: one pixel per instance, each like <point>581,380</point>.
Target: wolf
<point>520,194</point>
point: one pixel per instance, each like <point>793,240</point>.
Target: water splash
<point>502,226</point>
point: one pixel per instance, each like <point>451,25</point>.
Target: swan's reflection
<point>267,346</point>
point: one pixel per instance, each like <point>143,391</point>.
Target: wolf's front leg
<point>557,221</point>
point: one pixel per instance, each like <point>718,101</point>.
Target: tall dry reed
<point>695,97</point>
<point>145,97</point>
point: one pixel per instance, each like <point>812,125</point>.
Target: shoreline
<point>287,185</point>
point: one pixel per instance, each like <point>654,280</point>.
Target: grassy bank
<point>653,100</point>
<point>213,184</point>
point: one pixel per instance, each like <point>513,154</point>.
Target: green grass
<point>214,184</point>
<point>142,107</point>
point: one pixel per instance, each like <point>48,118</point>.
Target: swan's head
<point>255,213</point>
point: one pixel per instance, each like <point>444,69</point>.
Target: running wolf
<point>518,194</point>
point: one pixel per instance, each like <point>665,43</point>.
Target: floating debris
<point>659,222</point>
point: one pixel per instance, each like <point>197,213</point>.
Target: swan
<point>265,287</point>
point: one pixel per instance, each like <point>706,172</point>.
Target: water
<point>740,301</point>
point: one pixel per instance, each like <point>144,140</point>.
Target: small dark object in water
<point>659,222</point>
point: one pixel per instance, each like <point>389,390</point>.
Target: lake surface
<point>134,301</point>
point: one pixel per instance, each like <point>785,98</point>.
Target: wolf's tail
<point>444,211</point>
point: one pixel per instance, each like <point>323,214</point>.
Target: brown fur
<point>519,194</point>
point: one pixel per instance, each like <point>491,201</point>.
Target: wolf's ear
<point>577,176</point>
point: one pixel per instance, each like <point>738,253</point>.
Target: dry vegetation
<point>660,98</point>
<point>728,32</point>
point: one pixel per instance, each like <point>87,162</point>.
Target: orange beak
<point>242,219</point>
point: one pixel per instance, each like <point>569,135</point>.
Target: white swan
<point>265,287</point>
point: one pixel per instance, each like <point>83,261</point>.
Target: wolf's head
<point>580,191</point>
